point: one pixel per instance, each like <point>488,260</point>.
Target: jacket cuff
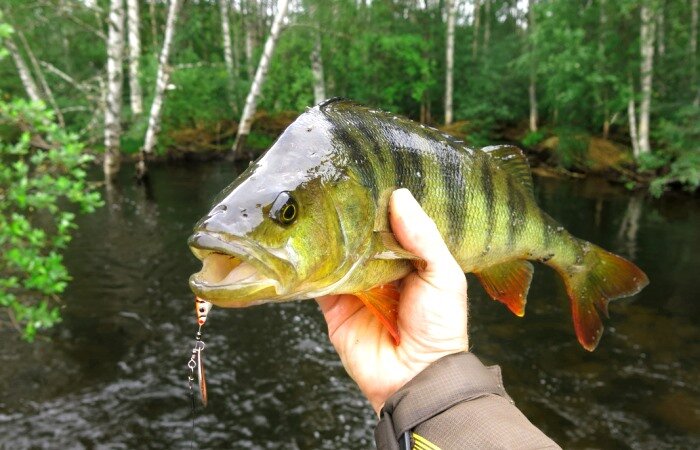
<point>450,380</point>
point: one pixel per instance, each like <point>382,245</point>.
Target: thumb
<point>417,233</point>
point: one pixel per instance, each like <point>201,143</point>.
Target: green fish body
<point>310,218</point>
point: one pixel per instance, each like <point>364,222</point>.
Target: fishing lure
<point>202,307</point>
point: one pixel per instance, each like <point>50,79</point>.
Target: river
<point>112,375</point>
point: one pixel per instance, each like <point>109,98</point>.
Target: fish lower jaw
<point>241,294</point>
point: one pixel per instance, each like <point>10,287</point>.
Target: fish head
<point>288,227</point>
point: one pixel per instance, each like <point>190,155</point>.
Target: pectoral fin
<point>389,248</point>
<point>508,283</point>
<point>383,302</point>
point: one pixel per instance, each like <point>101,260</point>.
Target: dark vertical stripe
<point>357,155</point>
<point>453,185</point>
<point>408,163</point>
<point>516,210</point>
<point>487,188</point>
<point>376,148</point>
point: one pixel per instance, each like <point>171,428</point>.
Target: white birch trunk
<point>162,78</point>
<point>646,72</point>
<point>25,75</point>
<point>228,48</point>
<point>477,22</point>
<point>113,106</point>
<point>449,60</point>
<point>42,80</point>
<point>694,51</point>
<point>252,99</point>
<point>249,23</point>
<point>317,69</point>
<point>632,115</point>
<point>133,22</point>
<point>532,88</point>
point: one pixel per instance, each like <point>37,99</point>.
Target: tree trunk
<point>162,80</point>
<point>694,52</point>
<point>487,23</point>
<point>25,75</point>
<point>477,22</point>
<point>251,101</point>
<point>249,20</point>
<point>132,15</point>
<point>228,49</point>
<point>317,69</point>
<point>632,115</point>
<point>154,24</point>
<point>532,89</point>
<point>449,60</point>
<point>113,107</point>
<point>646,72</point>
<point>42,80</point>
<point>661,32</point>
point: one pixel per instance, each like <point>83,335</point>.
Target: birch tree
<point>42,80</point>
<point>532,88</point>
<point>251,101</point>
<point>317,69</point>
<point>694,52</point>
<point>646,72</point>
<point>134,37</point>
<point>162,81</point>
<point>487,23</point>
<point>449,59</point>
<point>632,116</point>
<point>249,25</point>
<point>477,22</point>
<point>25,75</point>
<point>113,106</point>
<point>228,50</point>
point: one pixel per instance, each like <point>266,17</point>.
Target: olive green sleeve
<point>456,403</point>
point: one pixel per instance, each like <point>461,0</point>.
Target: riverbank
<point>551,153</point>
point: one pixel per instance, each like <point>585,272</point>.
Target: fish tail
<point>592,280</point>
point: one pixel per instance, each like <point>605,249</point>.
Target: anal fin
<point>383,302</point>
<point>508,283</point>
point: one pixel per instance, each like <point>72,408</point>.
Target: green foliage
<point>532,138</point>
<point>681,136</point>
<point>584,57</point>
<point>572,149</point>
<point>42,167</point>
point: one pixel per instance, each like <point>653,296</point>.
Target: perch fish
<point>309,218</point>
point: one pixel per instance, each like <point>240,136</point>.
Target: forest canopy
<point>624,71</point>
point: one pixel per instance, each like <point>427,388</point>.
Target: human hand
<point>432,316</point>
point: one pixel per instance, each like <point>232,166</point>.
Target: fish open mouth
<point>233,273</point>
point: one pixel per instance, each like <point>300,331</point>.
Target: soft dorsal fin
<point>514,161</point>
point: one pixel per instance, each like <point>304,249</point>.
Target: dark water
<point>112,375</point>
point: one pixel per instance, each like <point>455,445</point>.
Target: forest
<point>584,86</point>
<point>121,120</point>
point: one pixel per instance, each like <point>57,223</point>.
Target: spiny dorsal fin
<point>514,161</point>
<point>508,283</point>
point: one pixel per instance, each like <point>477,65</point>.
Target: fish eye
<point>284,209</point>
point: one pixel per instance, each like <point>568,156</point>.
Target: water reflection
<point>113,374</point>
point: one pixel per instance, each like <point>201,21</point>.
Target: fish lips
<point>236,272</point>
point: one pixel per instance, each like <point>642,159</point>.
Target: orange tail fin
<point>602,277</point>
<point>383,301</point>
